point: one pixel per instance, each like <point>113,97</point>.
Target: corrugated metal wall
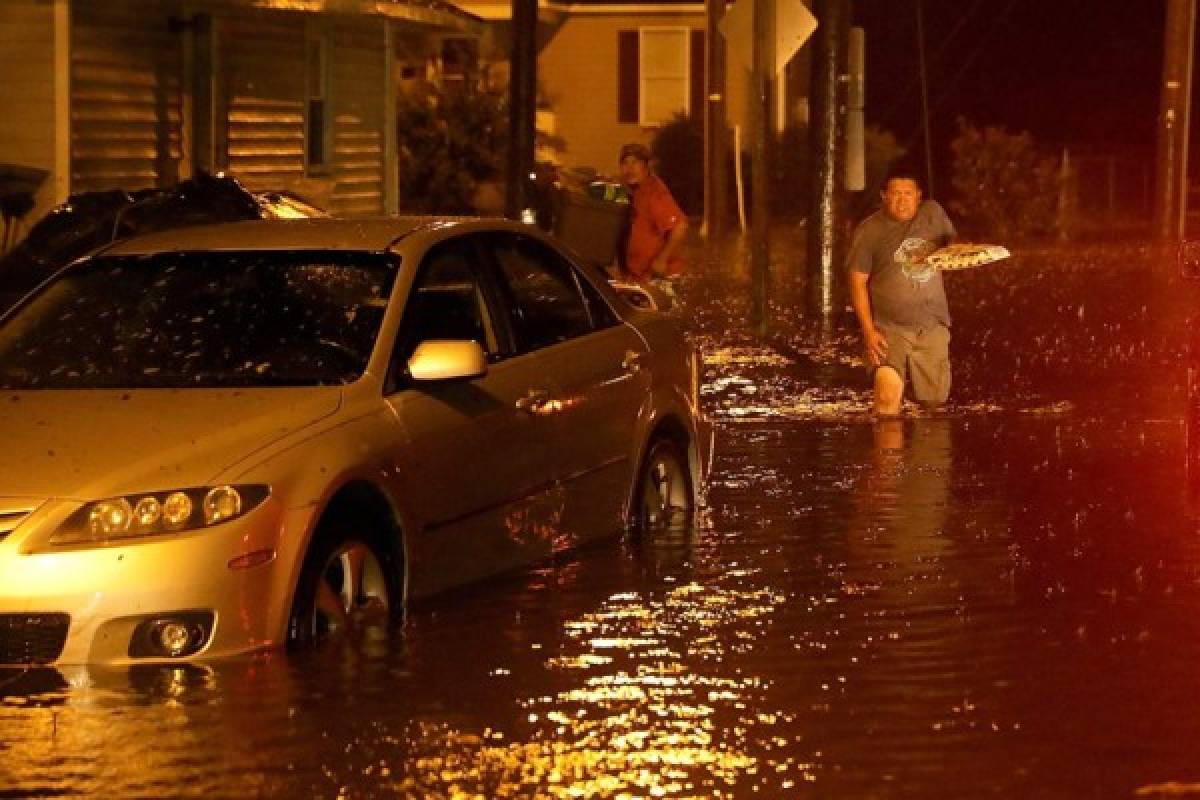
<point>126,100</point>
<point>262,59</point>
<point>358,96</point>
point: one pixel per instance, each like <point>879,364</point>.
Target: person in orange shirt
<point>657,227</point>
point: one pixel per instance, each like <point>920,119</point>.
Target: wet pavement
<point>999,600</point>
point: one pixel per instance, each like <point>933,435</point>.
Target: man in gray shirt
<point>899,300</point>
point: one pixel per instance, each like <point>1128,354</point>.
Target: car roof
<point>374,235</point>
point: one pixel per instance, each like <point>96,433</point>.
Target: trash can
<point>594,229</point>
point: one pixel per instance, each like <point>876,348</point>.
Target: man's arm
<point>946,232</point>
<point>874,342</point>
<point>675,237</point>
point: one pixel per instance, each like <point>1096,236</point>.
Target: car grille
<point>10,519</point>
<point>32,638</point>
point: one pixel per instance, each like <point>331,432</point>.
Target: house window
<point>660,71</point>
<point>317,117</point>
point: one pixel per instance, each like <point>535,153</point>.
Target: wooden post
<point>1170,195</point>
<point>716,139</point>
<point>824,133</point>
<point>761,98</point>
<point>522,87</point>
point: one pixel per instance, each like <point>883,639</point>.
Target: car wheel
<point>664,488</point>
<point>348,584</point>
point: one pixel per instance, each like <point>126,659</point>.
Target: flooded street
<point>1001,600</point>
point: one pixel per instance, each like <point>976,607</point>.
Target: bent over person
<point>899,299</point>
<point>658,226</point>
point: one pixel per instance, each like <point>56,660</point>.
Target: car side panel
<point>481,474</point>
<point>605,379</point>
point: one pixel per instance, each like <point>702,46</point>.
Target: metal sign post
<point>763,35</point>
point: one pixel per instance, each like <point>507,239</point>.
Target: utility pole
<point>761,96</point>
<point>522,94</point>
<point>1170,194</point>
<point>716,140</point>
<point>924,100</point>
<point>824,133</point>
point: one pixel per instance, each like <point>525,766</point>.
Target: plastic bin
<point>594,229</point>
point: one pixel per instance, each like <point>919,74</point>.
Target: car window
<point>547,304</point>
<point>200,319</point>
<point>602,314</point>
<point>448,301</point>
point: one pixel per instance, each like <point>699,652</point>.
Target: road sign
<point>794,23</point>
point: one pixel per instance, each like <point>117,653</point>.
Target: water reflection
<point>32,686</point>
<point>999,601</point>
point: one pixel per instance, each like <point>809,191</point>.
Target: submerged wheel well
<point>670,427</point>
<point>361,502</point>
<point>357,511</point>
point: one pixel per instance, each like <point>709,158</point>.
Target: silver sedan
<point>235,437</point>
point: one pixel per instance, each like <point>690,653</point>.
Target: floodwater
<point>1000,600</point>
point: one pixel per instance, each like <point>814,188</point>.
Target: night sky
<point>1071,72</point>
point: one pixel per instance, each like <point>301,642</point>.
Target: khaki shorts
<point>922,359</point>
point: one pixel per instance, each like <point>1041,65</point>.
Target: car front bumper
<point>239,575</point>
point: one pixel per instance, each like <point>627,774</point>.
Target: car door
<point>477,452</point>
<point>601,370</point>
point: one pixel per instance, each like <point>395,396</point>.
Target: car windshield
<point>210,319</point>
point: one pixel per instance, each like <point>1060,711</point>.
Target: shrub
<point>679,151</point>
<point>1004,185</point>
<point>678,148</point>
<point>450,140</point>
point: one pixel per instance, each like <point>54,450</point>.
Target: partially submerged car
<point>227,438</point>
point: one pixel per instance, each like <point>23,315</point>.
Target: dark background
<point>1079,73</point>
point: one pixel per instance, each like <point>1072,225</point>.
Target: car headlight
<point>155,513</point>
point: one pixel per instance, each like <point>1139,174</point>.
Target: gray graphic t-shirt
<point>905,293</point>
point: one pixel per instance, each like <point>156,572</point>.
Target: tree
<point>1003,183</point>
<point>450,140</point>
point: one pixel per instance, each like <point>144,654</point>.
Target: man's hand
<point>876,346</point>
<point>874,342</point>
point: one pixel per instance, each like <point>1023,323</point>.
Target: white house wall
<point>577,69</point>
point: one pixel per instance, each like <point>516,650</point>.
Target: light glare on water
<point>997,600</point>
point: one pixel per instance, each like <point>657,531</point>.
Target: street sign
<point>794,23</point>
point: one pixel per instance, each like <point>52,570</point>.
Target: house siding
<point>583,91</point>
<point>27,132</point>
<point>360,95</point>
<point>262,98</point>
<point>108,95</point>
<point>264,60</point>
<point>126,98</point>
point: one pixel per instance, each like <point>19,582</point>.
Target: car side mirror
<point>447,360</point>
<point>1187,257</point>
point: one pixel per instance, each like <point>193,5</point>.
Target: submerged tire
<point>349,582</point>
<point>664,493</point>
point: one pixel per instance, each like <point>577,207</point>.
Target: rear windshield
<point>182,320</point>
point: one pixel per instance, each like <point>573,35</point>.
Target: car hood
<point>91,444</point>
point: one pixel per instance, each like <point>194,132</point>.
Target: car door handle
<point>632,361</point>
<point>534,401</point>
